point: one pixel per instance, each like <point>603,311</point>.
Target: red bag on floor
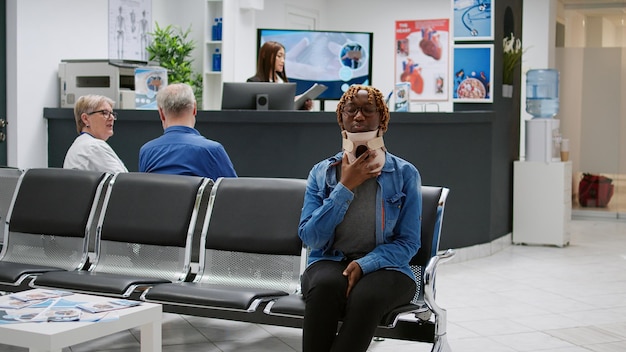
<point>595,190</point>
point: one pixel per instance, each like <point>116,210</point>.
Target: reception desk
<point>457,150</point>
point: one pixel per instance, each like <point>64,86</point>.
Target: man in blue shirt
<point>182,150</point>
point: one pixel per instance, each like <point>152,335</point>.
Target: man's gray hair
<point>176,98</point>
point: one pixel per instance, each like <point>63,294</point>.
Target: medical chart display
<point>422,58</point>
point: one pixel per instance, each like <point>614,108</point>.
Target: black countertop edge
<point>288,116</point>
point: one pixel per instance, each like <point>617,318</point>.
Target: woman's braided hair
<point>373,96</point>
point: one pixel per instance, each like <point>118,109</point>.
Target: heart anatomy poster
<point>423,57</point>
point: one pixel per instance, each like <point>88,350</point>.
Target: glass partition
<point>592,66</point>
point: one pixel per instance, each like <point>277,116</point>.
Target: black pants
<point>324,288</point>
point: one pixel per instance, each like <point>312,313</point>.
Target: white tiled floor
<point>522,298</point>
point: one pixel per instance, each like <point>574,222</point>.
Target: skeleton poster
<point>130,24</point>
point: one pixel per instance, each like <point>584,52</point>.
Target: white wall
<point>239,41</point>
<point>569,62</point>
<point>40,34</point>
<point>594,29</point>
<point>575,35</point>
<point>609,33</point>
<point>187,14</point>
<point>601,110</point>
<point>593,69</point>
<point>592,117</point>
<point>539,45</point>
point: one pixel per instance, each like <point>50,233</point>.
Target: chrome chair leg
<point>441,344</point>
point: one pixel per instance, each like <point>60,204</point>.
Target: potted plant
<point>171,49</point>
<point>512,55</point>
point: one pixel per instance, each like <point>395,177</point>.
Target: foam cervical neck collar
<point>355,144</point>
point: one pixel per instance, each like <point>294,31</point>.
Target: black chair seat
<point>389,318</point>
<point>101,283</point>
<point>11,272</point>
<point>211,296</point>
<point>293,306</point>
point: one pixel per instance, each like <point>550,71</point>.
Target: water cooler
<point>543,139</point>
<point>542,184</point>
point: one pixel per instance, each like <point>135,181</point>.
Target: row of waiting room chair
<point>147,229</point>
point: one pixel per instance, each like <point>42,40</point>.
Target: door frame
<point>3,77</point>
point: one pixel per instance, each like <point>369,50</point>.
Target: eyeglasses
<point>366,110</point>
<point>105,113</point>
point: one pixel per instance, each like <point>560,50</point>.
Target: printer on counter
<point>112,78</point>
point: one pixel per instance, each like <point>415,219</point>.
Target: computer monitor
<point>258,96</point>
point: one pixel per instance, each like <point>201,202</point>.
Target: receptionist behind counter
<point>271,67</point>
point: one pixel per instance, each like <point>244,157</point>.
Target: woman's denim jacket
<point>398,210</point>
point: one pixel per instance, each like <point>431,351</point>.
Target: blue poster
<point>473,20</point>
<point>473,73</point>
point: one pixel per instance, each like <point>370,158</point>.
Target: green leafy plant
<point>172,49</point>
<point>512,55</point>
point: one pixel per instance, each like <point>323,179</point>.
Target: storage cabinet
<point>212,79</point>
<point>542,202</point>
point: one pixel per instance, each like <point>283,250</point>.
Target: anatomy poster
<point>472,20</point>
<point>130,22</point>
<point>473,73</point>
<point>422,58</point>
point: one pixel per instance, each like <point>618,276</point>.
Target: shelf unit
<point>542,202</point>
<point>212,80</point>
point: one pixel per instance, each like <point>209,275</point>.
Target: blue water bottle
<point>214,29</point>
<point>542,93</point>
<point>217,60</point>
<point>219,29</point>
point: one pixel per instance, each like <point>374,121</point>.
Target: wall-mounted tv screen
<point>332,58</point>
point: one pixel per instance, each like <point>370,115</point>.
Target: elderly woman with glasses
<point>361,221</point>
<point>94,117</point>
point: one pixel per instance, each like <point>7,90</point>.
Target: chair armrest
<point>429,290</point>
<point>429,276</point>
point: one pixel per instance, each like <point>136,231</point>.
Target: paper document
<point>39,294</point>
<point>97,307</point>
<point>311,93</point>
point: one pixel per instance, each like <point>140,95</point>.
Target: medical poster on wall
<point>130,22</point>
<point>422,58</point>
<point>473,20</point>
<point>473,73</point>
